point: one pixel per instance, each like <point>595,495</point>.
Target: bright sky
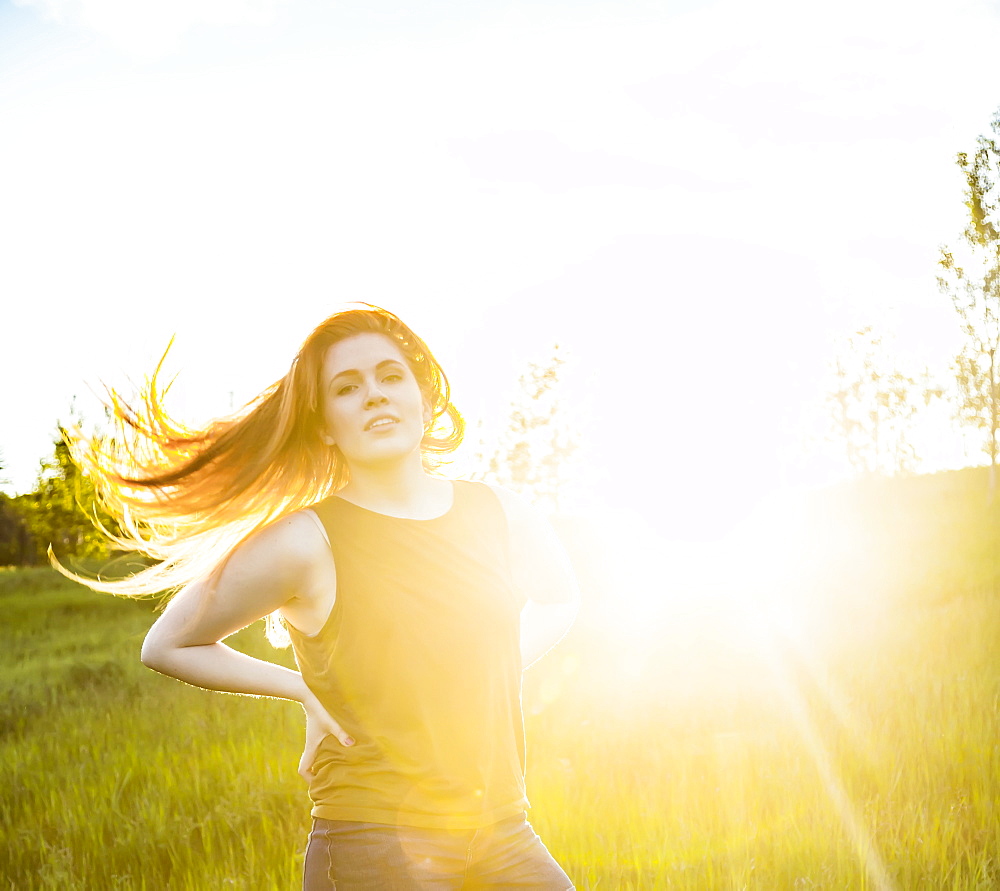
<point>695,199</point>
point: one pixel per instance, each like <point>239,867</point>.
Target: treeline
<point>875,404</point>
<point>60,513</point>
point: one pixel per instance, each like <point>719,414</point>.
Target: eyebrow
<point>354,371</point>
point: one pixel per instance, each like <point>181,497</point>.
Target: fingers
<point>343,737</point>
<point>305,769</point>
<point>331,728</point>
<point>320,723</point>
<point>334,729</point>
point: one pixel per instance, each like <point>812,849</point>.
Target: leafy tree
<point>63,511</point>
<point>535,454</point>
<point>17,547</point>
<point>971,278</point>
<point>872,405</point>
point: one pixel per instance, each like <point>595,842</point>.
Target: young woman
<point>413,602</point>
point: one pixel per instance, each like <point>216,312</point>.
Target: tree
<point>872,404</point>
<point>63,512</point>
<point>971,278</point>
<point>534,455</point>
<point>16,545</point>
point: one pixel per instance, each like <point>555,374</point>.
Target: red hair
<point>187,497</point>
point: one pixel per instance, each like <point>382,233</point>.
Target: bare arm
<point>212,666</point>
<point>263,575</point>
<point>543,625</point>
<point>266,573</point>
<point>543,573</point>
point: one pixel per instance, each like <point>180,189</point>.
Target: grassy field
<point>812,703</point>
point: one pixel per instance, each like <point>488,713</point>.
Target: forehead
<point>360,352</point>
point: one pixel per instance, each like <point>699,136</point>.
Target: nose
<point>375,396</point>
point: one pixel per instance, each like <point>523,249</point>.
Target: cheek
<point>326,432</point>
<point>331,421</point>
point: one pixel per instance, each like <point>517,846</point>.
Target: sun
<point>737,590</point>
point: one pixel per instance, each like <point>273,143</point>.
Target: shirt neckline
<point>441,516</point>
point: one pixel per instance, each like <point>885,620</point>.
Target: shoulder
<point>296,534</point>
<point>265,572</point>
<point>514,505</point>
<point>539,561</point>
<point>286,550</point>
<point>523,518</point>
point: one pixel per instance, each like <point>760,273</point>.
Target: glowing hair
<point>186,498</point>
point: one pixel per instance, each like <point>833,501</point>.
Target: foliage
<point>534,455</point>
<point>17,548</point>
<point>872,405</point>
<point>971,278</point>
<point>63,511</point>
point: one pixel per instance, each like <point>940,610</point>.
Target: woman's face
<point>372,405</point>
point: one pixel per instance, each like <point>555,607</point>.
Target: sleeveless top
<point>419,661</point>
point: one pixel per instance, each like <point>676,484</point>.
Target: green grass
<point>836,726</point>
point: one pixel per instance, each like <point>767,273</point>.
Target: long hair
<point>187,497</point>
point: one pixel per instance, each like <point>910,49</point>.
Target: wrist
<point>309,701</point>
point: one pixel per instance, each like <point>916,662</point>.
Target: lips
<point>381,422</point>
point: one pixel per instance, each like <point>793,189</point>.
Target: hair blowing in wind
<point>187,497</point>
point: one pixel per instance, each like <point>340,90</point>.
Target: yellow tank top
<point>420,663</point>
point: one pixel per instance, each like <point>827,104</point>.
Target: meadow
<point>811,703</point>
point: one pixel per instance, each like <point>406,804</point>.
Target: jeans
<point>349,856</point>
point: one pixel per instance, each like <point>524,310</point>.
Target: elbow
<point>148,655</point>
<point>154,653</point>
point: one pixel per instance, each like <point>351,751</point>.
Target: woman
<point>412,601</point>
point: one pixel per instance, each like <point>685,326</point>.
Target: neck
<point>402,489</point>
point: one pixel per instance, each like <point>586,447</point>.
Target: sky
<point>696,200</point>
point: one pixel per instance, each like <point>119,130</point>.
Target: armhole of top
<point>508,549</point>
<point>309,512</point>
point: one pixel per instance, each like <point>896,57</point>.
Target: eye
<point>393,377</point>
<point>347,389</point>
